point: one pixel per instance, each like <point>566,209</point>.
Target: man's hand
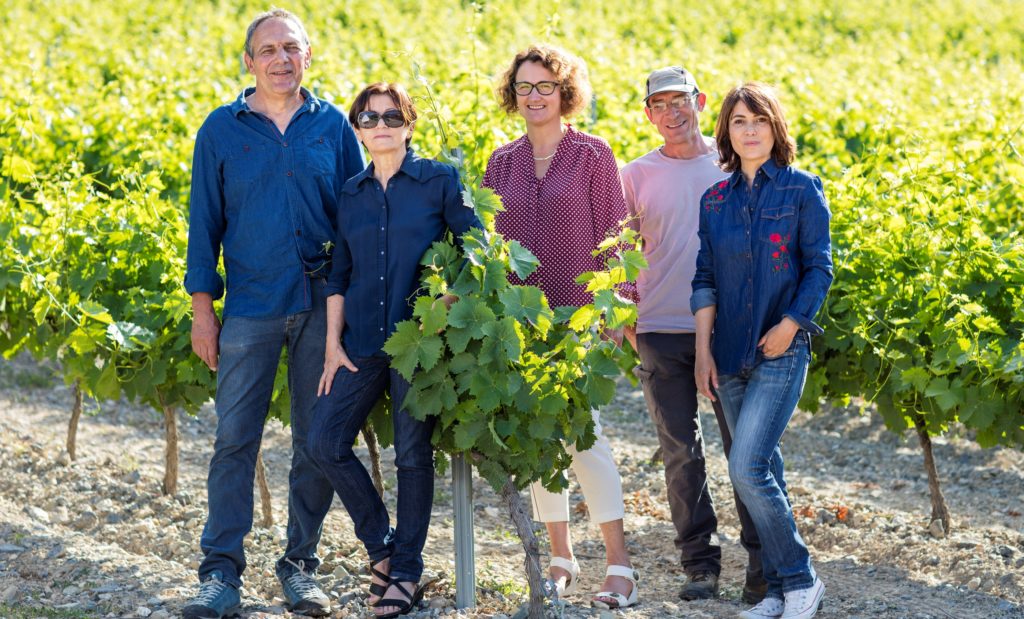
<point>778,338</point>
<point>335,358</point>
<point>205,329</point>
<point>629,332</point>
<point>705,373</point>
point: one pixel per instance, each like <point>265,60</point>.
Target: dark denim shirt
<point>765,253</point>
<point>382,235</point>
<point>270,201</point>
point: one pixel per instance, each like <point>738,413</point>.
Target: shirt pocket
<point>244,165</point>
<point>320,156</point>
<point>778,232</point>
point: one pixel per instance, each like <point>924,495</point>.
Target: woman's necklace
<point>546,158</point>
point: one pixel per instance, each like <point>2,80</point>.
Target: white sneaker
<point>768,608</point>
<point>804,603</point>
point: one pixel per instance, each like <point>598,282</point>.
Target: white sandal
<point>573,581</point>
<point>621,601</point>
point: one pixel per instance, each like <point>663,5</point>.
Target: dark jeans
<point>250,350</point>
<point>337,419</point>
<point>666,373</point>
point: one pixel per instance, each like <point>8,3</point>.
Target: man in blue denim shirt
<point>266,178</point>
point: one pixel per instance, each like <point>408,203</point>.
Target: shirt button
<point>285,144</point>
<point>288,173</point>
<point>382,303</point>
<point>298,233</point>
<point>381,278</point>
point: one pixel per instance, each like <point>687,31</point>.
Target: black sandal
<point>376,588</point>
<point>404,605</point>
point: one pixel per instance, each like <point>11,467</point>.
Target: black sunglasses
<point>369,119</point>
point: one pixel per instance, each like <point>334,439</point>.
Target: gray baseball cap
<point>670,79</point>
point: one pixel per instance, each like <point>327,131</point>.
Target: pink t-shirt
<point>562,217</point>
<point>663,194</point>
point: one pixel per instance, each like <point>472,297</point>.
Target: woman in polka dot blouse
<point>562,196</point>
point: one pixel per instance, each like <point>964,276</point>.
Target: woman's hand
<point>705,373</point>
<point>778,338</point>
<point>335,358</point>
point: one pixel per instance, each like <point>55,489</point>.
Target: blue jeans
<point>250,350</point>
<point>337,419</point>
<point>758,404</point>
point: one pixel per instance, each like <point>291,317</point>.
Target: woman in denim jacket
<point>764,266</point>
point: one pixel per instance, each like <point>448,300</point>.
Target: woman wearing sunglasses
<point>763,268</point>
<point>562,196</point>
<point>388,216</point>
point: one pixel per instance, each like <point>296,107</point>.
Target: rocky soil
<point>95,537</point>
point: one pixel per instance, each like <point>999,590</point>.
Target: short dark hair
<point>271,14</point>
<point>571,71</point>
<point>760,99</point>
<point>399,96</point>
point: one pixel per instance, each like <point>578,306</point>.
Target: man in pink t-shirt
<point>663,190</point>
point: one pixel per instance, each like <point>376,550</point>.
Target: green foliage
<point>926,314</point>
<point>909,112</point>
<point>509,382</point>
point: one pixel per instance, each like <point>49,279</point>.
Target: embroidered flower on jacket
<point>715,197</point>
<point>779,260</point>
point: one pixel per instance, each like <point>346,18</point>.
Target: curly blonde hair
<point>570,71</point>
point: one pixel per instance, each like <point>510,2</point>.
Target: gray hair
<point>272,13</point>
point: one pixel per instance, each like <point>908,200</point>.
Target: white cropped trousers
<point>598,476</point>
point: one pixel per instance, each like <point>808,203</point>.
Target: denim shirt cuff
<point>702,298</point>
<point>332,289</point>
<point>204,280</point>
<point>805,323</point>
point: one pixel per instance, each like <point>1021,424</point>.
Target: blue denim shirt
<point>765,253</point>
<point>270,201</point>
<point>382,235</point>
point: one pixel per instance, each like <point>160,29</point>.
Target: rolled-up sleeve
<point>704,288</point>
<point>206,220</point>
<point>341,259</point>
<point>816,259</point>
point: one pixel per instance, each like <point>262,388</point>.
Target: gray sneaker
<point>700,586</point>
<point>215,599</point>
<point>303,592</point>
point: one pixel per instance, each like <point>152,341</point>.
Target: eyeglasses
<point>678,102</point>
<point>523,89</point>
<point>369,119</point>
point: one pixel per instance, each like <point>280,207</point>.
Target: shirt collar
<point>769,168</point>
<point>310,103</point>
<point>412,166</point>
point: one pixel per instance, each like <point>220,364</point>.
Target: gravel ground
<point>95,538</point>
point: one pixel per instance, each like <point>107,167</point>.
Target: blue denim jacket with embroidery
<point>765,253</point>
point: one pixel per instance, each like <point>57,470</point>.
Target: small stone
<point>114,518</point>
<point>131,477</point>
<point>11,548</point>
<point>143,611</point>
<point>492,511</point>
<point>607,614</point>
<point>64,458</point>
<point>38,513</point>
<point>160,614</point>
<point>70,590</point>
<point>10,594</point>
<point>275,610</point>
<point>341,573</point>
<point>1005,551</point>
<point>936,530</point>
<point>85,521</point>
<point>438,602</point>
<point>974,583</point>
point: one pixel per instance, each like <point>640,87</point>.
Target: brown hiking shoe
<point>700,586</point>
